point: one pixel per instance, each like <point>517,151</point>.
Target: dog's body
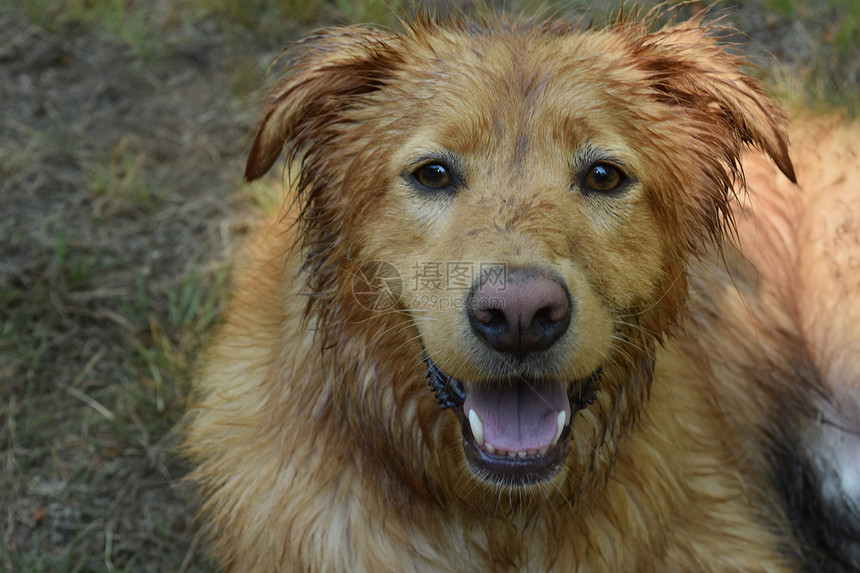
<point>681,377</point>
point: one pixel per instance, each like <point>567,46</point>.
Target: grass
<point>830,76</point>
<point>255,12</point>
<point>118,421</point>
<point>840,17</point>
<point>135,23</point>
<point>97,336</point>
<point>122,179</point>
<point>117,232</point>
<point>194,305</point>
<point>269,17</point>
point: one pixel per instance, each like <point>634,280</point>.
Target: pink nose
<point>526,313</point>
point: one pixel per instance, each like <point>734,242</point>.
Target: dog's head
<point>519,202</point>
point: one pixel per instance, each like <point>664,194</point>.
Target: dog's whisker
<point>657,302</point>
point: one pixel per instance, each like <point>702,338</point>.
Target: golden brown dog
<point>635,363</point>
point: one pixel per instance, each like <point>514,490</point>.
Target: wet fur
<point>318,445</point>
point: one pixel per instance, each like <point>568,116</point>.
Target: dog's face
<point>535,194</point>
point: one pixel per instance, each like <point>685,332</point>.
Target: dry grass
<point>122,136</point>
<point>820,54</point>
<point>118,170</point>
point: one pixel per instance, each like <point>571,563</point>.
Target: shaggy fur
<point>706,333</point>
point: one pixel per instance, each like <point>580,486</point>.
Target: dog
<point>546,298</point>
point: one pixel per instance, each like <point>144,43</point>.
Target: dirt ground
<point>121,206</point>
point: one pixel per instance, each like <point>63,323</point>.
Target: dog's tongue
<point>519,416</point>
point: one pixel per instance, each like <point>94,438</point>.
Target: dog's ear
<point>689,69</point>
<point>334,68</point>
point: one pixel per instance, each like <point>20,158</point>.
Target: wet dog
<point>525,314</point>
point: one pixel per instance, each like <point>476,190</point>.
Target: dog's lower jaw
<point>516,470</point>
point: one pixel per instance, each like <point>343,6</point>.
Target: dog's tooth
<point>543,451</point>
<point>512,454</point>
<point>562,417</point>
<point>490,449</point>
<point>477,428</point>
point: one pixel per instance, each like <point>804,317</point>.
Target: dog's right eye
<point>433,176</point>
<point>604,177</point>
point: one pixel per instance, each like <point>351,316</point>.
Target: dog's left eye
<point>433,176</point>
<point>603,177</point>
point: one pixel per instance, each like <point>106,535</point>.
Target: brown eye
<point>433,176</point>
<point>603,177</point>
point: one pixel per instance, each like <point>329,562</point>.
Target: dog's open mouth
<point>515,431</point>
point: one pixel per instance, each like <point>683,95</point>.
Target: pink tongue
<point>519,416</point>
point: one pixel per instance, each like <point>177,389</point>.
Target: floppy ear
<point>335,68</point>
<point>690,70</point>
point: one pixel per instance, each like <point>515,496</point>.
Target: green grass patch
<point>134,22</point>
<point>251,13</point>
<point>124,176</point>
<point>785,8</point>
<point>194,304</point>
<point>282,20</point>
<point>848,28</point>
<point>71,269</point>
